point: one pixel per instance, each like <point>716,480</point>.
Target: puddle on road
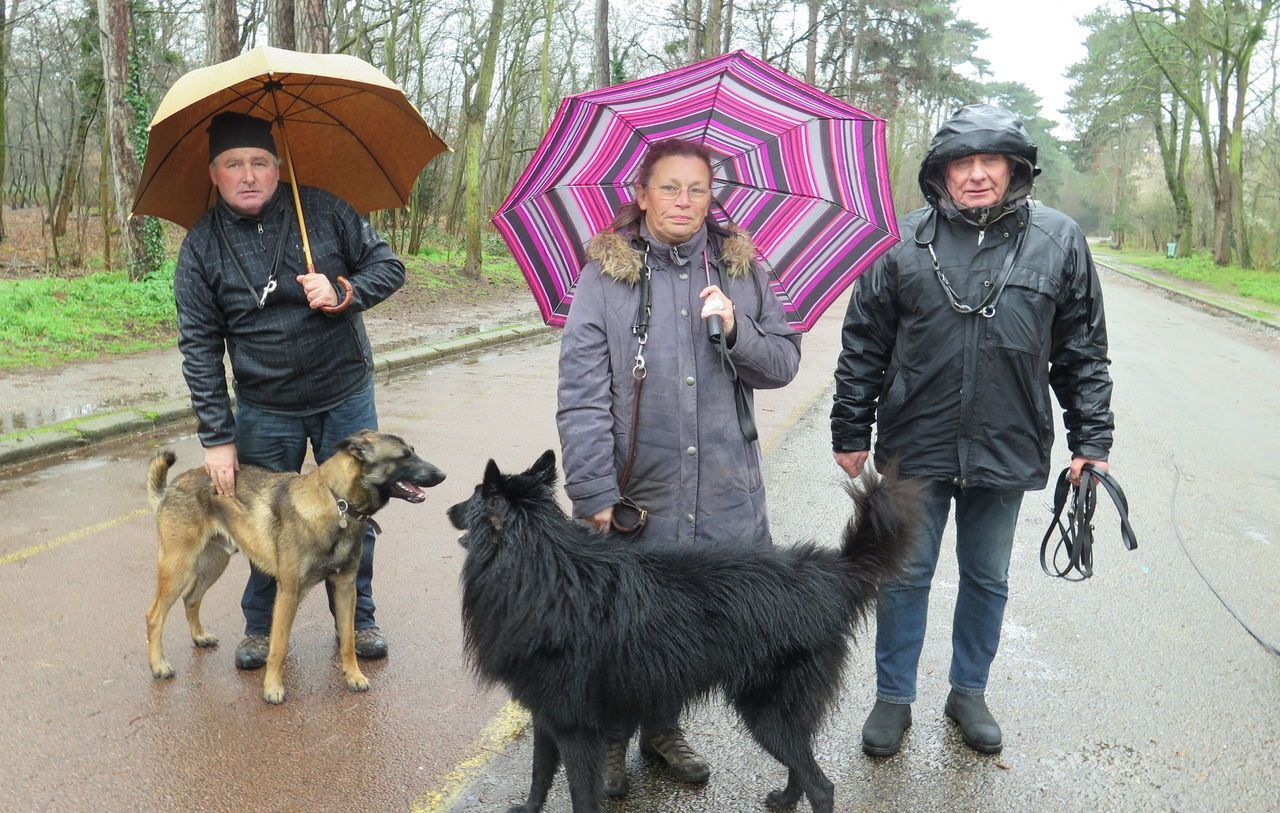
<point>37,417</point>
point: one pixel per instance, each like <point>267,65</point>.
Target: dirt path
<point>34,397</point>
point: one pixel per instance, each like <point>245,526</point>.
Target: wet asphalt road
<point>1135,691</point>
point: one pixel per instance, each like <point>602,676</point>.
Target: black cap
<point>229,131</point>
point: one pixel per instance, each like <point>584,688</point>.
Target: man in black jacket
<point>951,344</point>
<point>302,367</point>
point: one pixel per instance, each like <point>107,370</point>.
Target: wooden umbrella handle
<point>347,297</point>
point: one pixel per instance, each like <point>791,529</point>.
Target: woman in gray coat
<point>695,470</point>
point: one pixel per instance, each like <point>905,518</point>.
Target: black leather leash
<point>1076,534</point>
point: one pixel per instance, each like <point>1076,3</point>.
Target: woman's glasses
<point>697,194</point>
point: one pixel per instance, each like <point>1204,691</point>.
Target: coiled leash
<point>1076,534</point>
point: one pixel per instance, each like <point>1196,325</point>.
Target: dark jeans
<point>985,520</point>
<point>279,443</point>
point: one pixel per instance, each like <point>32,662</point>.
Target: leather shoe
<point>613,777</point>
<point>251,653</point>
<point>883,730</point>
<point>370,644</point>
<point>978,728</point>
<point>672,748</point>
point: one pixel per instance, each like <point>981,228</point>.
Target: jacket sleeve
<point>766,352</point>
<point>870,327</point>
<point>374,271</point>
<point>584,412</point>
<point>1079,367</point>
<point>202,332</point>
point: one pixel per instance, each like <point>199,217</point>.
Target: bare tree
<point>600,62</point>
<point>313,31</point>
<point>280,24</point>
<point>142,249</point>
<point>221,30</point>
<point>477,110</point>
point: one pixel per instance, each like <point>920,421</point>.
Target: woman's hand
<point>715,303</point>
<point>601,520</point>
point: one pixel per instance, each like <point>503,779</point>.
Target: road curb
<point>79,433</point>
<point>1190,298</point>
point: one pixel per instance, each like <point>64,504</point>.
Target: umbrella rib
<point>342,125</point>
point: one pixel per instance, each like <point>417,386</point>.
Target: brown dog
<point>300,528</point>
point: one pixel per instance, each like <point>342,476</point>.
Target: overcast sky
<point>1032,42</point>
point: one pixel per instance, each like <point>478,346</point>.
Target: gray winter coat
<point>959,396</point>
<point>694,471</point>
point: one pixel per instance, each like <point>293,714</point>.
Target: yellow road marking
<point>73,536</point>
<point>509,723</point>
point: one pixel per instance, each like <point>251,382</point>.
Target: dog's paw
<point>781,800</point>
<point>205,641</point>
<point>524,808</point>
<point>358,682</point>
<point>273,694</point>
<point>162,670</point>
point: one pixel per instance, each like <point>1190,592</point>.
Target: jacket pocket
<point>892,400</point>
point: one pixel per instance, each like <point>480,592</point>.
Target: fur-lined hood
<point>619,261</point>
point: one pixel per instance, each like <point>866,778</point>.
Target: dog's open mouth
<point>407,491</point>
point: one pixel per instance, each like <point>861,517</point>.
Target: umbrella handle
<point>345,300</point>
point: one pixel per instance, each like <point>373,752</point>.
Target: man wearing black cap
<point>952,342</point>
<point>301,374</point>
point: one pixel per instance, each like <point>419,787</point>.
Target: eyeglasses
<point>697,194</point>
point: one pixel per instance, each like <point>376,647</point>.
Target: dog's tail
<point>158,476</point>
<point>884,527</point>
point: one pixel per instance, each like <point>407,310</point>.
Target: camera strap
<point>746,422</point>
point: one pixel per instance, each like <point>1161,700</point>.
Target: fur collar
<point>621,262</point>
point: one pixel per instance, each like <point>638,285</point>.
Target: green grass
<point>50,320</point>
<point>46,321</point>
<point>1263,286</point>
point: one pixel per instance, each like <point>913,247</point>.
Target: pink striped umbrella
<point>804,172</point>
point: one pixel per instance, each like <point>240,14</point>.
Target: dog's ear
<point>492,478</point>
<point>545,468</point>
<point>358,445</point>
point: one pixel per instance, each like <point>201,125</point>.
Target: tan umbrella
<point>340,123</point>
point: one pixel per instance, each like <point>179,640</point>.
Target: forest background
<point>1176,143</point>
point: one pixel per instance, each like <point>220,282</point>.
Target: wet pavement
<point>1134,691</point>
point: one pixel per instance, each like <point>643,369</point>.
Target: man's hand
<point>1078,464</point>
<point>601,520</point>
<point>851,462</point>
<point>319,290</point>
<point>222,464</point>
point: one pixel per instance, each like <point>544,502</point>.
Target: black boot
<point>977,727</point>
<point>613,774</point>
<point>883,730</point>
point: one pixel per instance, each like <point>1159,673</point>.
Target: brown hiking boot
<point>370,644</point>
<point>671,747</point>
<point>613,775</point>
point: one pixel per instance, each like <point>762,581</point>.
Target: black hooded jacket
<point>963,396</point>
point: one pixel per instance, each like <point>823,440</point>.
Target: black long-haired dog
<point>588,632</point>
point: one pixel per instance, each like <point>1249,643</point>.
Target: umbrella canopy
<point>805,173</point>
<point>348,129</point>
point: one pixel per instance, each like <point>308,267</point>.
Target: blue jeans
<point>985,520</point>
<point>279,443</point>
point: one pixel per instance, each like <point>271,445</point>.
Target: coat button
<point>692,450</point>
<point>689,517</point>
<point>683,275</point>
<point>986,283</point>
<point>684,311</point>
<point>690,381</point>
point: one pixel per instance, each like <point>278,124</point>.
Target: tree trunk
<point>312,29</point>
<point>72,166</point>
<point>281,24</point>
<point>600,60</point>
<point>544,77</point>
<point>811,46</point>
<point>104,199</point>
<point>116,20</point>
<point>728,26</point>
<point>222,31</point>
<point>694,51</point>
<point>711,41</point>
<point>4,94</point>
<point>477,110</point>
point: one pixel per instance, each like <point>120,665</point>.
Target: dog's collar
<point>345,510</point>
